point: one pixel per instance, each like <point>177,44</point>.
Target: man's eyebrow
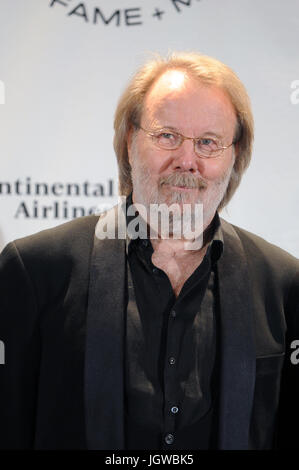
<point>212,134</point>
<point>170,128</point>
<point>175,129</point>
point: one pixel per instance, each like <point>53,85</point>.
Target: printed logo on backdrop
<point>57,200</point>
<point>102,13</point>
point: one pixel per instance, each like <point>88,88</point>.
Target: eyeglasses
<point>206,147</point>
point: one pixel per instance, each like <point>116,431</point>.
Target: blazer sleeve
<point>20,351</point>
<point>288,416</point>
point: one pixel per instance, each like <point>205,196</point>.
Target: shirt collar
<point>215,247</point>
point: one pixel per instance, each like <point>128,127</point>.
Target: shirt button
<point>169,438</point>
<point>155,270</point>
<point>171,360</point>
<point>174,410</point>
<point>144,242</point>
<point>173,313</point>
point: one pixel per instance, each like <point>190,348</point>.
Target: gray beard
<point>147,192</point>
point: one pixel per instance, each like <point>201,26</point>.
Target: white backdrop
<point>63,64</point>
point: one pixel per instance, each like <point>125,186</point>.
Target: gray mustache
<point>185,180</point>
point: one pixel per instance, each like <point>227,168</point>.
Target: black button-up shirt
<point>170,351</point>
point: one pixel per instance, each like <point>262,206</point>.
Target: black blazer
<point>62,312</point>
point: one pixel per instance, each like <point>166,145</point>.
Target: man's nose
<point>185,158</point>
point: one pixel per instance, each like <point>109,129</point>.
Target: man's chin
<point>178,195</point>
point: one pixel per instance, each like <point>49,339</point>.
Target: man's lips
<point>183,182</point>
<point>181,188</point>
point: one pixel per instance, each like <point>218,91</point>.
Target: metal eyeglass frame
<point>183,138</point>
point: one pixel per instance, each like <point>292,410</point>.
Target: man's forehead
<point>172,80</point>
<point>168,86</point>
<point>176,95</point>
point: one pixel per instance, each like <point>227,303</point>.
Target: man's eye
<point>166,136</point>
<point>207,142</point>
<point>167,139</point>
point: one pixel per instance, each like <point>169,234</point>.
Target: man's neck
<point>173,248</point>
<point>177,262</point>
<point>182,248</point>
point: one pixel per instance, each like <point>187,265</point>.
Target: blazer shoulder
<point>62,239</point>
<point>263,256</point>
<point>58,248</point>
<point>50,258</point>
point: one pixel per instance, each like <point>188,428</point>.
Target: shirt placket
<point>171,407</point>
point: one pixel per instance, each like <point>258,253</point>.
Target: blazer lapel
<point>237,356</point>
<point>104,359</point>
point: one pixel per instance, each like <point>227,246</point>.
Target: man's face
<point>179,103</point>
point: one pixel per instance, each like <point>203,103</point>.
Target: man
<point>151,342</point>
